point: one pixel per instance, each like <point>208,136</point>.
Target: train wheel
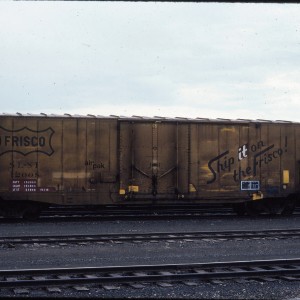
<point>289,207</point>
<point>239,209</point>
<point>253,209</point>
<point>31,213</point>
<point>274,206</point>
<point>283,206</point>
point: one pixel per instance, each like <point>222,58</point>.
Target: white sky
<point>215,60</point>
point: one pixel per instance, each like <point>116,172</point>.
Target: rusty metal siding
<point>154,158</point>
<point>6,159</point>
<point>183,162</point>
<point>289,156</point>
<point>271,151</point>
<point>75,162</point>
<point>50,168</point>
<point>228,154</point>
<point>213,150</point>
<point>297,158</point>
<point>91,160</point>
<point>211,159</point>
<point>125,160</point>
<point>268,164</point>
<point>167,153</point>
<point>243,166</point>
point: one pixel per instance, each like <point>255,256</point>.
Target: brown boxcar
<point>89,160</point>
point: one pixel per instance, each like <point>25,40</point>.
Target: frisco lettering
<point>19,141</point>
<point>262,156</point>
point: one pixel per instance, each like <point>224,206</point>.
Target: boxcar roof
<point>145,118</point>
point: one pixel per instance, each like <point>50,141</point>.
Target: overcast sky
<point>214,60</point>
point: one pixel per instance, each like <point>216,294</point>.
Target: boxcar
<point>252,165</point>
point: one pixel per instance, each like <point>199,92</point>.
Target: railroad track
<point>136,211</point>
<point>156,236</point>
<point>286,269</point>
<point>140,212</point>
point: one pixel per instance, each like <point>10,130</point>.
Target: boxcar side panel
<point>297,158</point>
<point>58,160</point>
<point>184,184</point>
<point>6,157</point>
<point>289,161</point>
<point>214,149</point>
<point>154,160</point>
<point>69,160</point>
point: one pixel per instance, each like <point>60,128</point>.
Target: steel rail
<point>137,212</point>
<point>150,213</point>
<point>123,237</point>
<point>151,273</point>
